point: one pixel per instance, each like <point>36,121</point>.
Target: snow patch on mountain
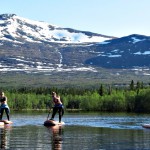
<point>40,68</point>
<point>135,40</point>
<point>13,28</point>
<point>144,53</point>
<point>22,65</point>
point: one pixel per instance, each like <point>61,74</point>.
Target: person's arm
<point>6,99</point>
<point>58,98</point>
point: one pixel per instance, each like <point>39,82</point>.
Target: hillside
<point>38,50</point>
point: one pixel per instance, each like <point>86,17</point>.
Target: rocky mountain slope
<point>128,52</point>
<point>27,45</point>
<point>33,46</point>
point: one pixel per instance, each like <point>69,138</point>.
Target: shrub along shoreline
<point>134,98</point>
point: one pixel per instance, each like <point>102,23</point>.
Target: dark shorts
<point>6,110</point>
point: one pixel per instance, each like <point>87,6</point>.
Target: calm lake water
<point>82,131</point>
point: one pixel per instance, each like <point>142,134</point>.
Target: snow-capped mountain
<point>132,51</point>
<point>28,45</point>
<point>19,30</point>
<point>33,46</point>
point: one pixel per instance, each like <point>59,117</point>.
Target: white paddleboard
<point>146,126</point>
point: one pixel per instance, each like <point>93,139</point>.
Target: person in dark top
<point>58,106</point>
<point>3,106</point>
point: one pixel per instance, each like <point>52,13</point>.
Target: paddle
<point>49,113</point>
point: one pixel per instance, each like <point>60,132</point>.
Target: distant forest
<point>132,98</point>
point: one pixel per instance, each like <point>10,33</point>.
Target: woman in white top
<point>4,105</point>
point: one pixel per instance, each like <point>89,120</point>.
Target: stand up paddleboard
<point>53,123</point>
<point>5,122</point>
<point>146,126</point>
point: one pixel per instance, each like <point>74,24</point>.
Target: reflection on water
<point>81,132</point>
<point>56,136</point>
<point>4,136</point>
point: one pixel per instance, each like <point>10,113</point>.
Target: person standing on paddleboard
<point>4,106</point>
<point>58,106</point>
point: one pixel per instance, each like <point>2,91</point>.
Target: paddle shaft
<point>49,113</point>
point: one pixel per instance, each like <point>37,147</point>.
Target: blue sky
<point>108,17</point>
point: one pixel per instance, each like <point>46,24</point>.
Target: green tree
<point>101,90</point>
<point>132,85</point>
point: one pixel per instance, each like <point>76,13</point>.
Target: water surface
<point>82,131</point>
